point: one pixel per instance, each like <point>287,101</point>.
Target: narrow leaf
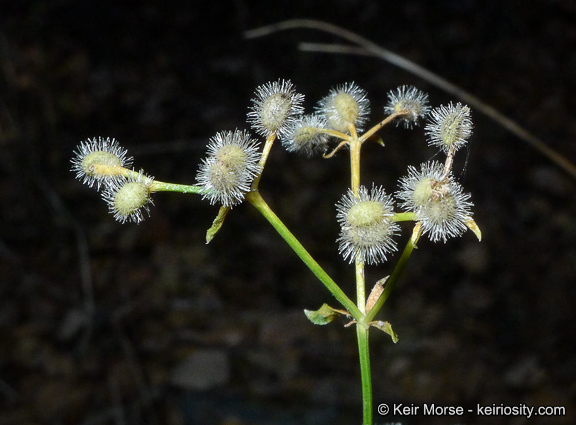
<point>474,227</point>
<point>216,224</point>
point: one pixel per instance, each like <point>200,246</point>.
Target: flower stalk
<point>262,163</point>
<point>398,270</point>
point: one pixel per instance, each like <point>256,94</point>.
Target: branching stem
<point>258,202</point>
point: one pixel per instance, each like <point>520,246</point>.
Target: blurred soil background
<point>102,323</point>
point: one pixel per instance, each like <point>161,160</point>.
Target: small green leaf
<point>218,221</point>
<point>322,316</point>
<point>379,140</point>
<point>386,327</point>
<point>474,227</point>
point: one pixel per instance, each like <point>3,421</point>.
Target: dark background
<point>102,323</point>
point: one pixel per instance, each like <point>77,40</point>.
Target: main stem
<point>364,354</point>
<point>362,326</point>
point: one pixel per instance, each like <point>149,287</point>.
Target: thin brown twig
<point>371,48</point>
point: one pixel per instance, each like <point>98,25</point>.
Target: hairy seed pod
<point>438,201</point>
<point>304,135</point>
<point>274,108</point>
<point>345,105</point>
<point>230,167</point>
<point>449,127</point>
<point>366,229</point>
<point>409,101</point>
<point>93,152</point>
<point>128,197</point>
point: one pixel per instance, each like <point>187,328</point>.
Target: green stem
<point>365,373</point>
<point>404,216</point>
<point>398,270</point>
<point>256,199</point>
<point>355,146</point>
<point>158,186</point>
<point>265,152</point>
<point>381,124</point>
<point>335,133</point>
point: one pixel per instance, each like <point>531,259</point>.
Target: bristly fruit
<point>438,201</point>
<point>345,105</point>
<point>366,227</point>
<point>411,102</point>
<point>128,197</point>
<point>93,152</point>
<point>449,127</point>
<point>230,167</point>
<point>274,108</point>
